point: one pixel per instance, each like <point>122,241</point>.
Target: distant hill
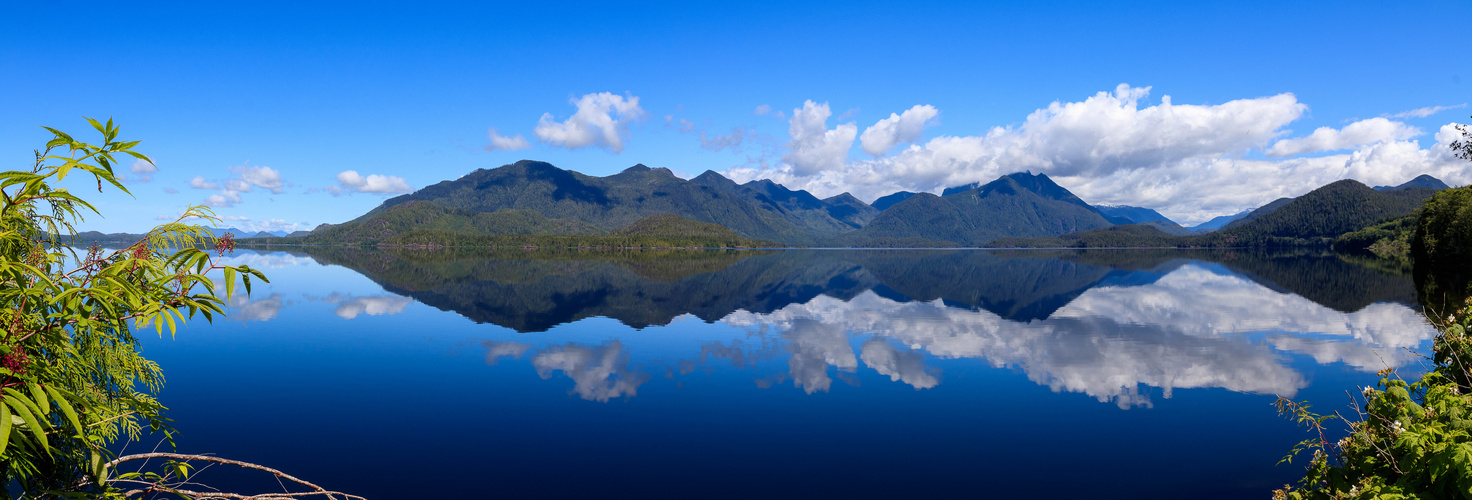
<point>1258,212</point>
<point>1423,181</point>
<point>758,209</point>
<point>1217,222</point>
<point>885,202</point>
<point>1136,215</point>
<point>1315,218</point>
<point>1017,204</point>
<point>1168,227</point>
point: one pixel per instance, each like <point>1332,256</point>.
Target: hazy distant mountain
<point>1423,180</point>
<point>758,209</point>
<point>885,202</point>
<point>1136,215</point>
<point>1218,222</point>
<point>1019,204</point>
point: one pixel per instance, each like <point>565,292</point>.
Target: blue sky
<point>268,105</point>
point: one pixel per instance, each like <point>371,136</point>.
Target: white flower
<point>1396,428</point>
<point>1368,391</point>
<point>1343,443</point>
<point>1354,491</point>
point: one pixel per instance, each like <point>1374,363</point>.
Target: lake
<point>799,373</point>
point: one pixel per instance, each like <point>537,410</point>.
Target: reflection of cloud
<point>1183,331</point>
<point>599,373</point>
<point>901,366</point>
<point>497,350</point>
<point>351,307</point>
<point>261,260</point>
<point>815,346</point>
<point>245,309</point>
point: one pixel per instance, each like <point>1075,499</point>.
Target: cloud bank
<point>1191,162</point>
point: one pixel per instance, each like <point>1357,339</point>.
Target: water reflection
<point>1111,325</point>
<point>599,373</point>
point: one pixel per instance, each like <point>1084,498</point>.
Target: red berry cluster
<point>16,360</point>
<point>225,245</point>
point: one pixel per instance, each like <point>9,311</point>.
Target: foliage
<point>409,216</point>
<point>1387,240</point>
<point>72,377</point>
<point>1411,439</point>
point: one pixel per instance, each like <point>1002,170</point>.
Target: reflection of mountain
<point>534,291</point>
<point>1193,327</point>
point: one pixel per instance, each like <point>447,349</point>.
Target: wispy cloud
<point>1424,112</point>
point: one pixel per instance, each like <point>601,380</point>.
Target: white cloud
<point>814,148</point>
<point>142,170</point>
<point>1360,133</point>
<point>897,129</point>
<point>199,183</point>
<point>171,190</point>
<point>245,180</point>
<point>601,120</point>
<point>262,177</point>
<point>1424,112</point>
<point>350,181</point>
<point>502,143</point>
<point>1190,162</point>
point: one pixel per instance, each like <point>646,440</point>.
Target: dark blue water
<point>862,374</point>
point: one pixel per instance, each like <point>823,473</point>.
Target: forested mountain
<point>884,202</point>
<point>1018,204</point>
<point>1315,218</point>
<point>1423,180</point>
<point>1136,215</point>
<point>758,209</point>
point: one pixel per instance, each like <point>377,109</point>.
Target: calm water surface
<point>863,374</point>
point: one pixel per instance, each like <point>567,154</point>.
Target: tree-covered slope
<point>425,216</point>
<point>758,209</point>
<point>1315,218</point>
<point>1136,215</point>
<point>1020,204</point>
<point>1330,211</point>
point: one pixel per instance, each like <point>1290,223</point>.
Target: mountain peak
<point>636,168</point>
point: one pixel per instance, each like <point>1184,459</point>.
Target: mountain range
<point>532,198</point>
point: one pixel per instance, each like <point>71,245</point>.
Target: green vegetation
<point>1411,439</point>
<point>424,224</point>
<point>1387,240</point>
<point>74,381</point>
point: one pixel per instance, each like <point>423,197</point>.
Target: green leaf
<point>66,409</point>
<point>4,428</point>
<point>32,423</point>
